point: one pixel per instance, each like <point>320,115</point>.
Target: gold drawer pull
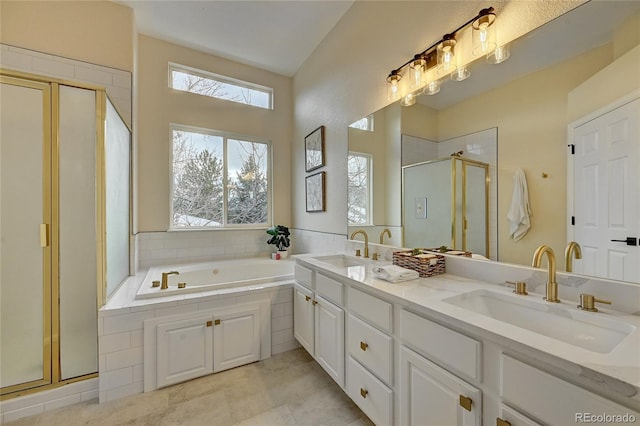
<point>501,422</point>
<point>364,346</point>
<point>44,235</point>
<point>307,298</point>
<point>364,392</point>
<point>465,402</point>
<point>314,302</point>
<point>209,323</point>
<point>217,322</point>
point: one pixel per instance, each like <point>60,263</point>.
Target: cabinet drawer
<point>508,414</point>
<point>456,351</point>
<point>550,399</point>
<point>330,289</point>
<point>371,347</point>
<point>303,275</point>
<point>370,394</point>
<point>374,310</point>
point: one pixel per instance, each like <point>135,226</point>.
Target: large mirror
<point>556,78</point>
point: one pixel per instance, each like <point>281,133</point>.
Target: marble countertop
<point>622,363</point>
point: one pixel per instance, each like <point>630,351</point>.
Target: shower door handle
<point>44,235</point>
<point>631,241</point>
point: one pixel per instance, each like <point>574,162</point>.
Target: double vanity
<point>464,348</point>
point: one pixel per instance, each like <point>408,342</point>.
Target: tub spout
<point>165,279</point>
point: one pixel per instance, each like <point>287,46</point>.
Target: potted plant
<point>280,239</point>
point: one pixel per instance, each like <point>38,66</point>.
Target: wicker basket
<point>426,263</point>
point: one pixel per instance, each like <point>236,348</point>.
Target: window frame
<point>225,179</point>
<point>222,79</point>
<point>369,208</point>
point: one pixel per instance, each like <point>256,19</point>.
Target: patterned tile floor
<point>287,389</point>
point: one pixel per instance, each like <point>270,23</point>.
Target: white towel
<point>394,273</point>
<point>520,209</point>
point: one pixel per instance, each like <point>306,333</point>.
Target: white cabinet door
<point>329,338</point>
<point>303,317</point>
<point>184,350</point>
<point>430,395</point>
<point>236,337</point>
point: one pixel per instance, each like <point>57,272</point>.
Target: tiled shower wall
<point>116,82</point>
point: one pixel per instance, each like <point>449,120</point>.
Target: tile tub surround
<point>615,374</point>
<point>121,324</point>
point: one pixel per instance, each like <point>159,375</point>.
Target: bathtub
<point>216,275</point>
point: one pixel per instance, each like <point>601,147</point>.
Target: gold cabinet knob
<point>364,346</point>
<point>315,302</point>
<point>502,422</point>
<point>465,402</point>
<point>364,392</point>
<point>307,298</point>
<point>588,301</point>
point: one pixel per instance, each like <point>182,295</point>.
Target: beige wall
<point>531,116</point>
<point>99,32</point>
<point>158,106</point>
<point>344,78</point>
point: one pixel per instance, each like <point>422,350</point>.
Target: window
<point>365,123</point>
<point>218,86</point>
<point>219,180</point>
<point>359,200</point>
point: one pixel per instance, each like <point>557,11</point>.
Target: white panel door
<point>607,193</point>
<point>236,338</point>
<point>430,395</point>
<point>329,338</point>
<point>303,317</point>
<point>184,350</point>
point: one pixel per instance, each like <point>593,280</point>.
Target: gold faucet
<point>384,231</point>
<point>572,248</point>
<point>366,241</point>
<point>165,279</point>
<point>552,285</point>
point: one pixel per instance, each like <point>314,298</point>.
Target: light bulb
<point>392,85</point>
<point>499,55</point>
<point>462,73</point>
<point>432,88</point>
<point>484,33</point>
<point>446,55</point>
<point>418,67</point>
<point>409,99</point>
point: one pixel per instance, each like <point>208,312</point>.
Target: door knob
<point>631,241</point>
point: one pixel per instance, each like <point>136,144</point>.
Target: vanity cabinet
<point>430,395</point>
<point>370,348</point>
<point>404,365</point>
<point>551,400</point>
<point>318,320</point>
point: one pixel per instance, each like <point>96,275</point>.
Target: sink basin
<point>341,260</point>
<point>591,331</point>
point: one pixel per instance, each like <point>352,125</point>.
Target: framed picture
<point>314,149</point>
<point>315,192</point>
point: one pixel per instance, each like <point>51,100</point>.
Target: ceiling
<point>277,36</point>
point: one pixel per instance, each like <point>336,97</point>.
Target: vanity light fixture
<point>484,34</point>
<point>392,87</point>
<point>418,67</point>
<point>442,58</point>
<point>446,54</point>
